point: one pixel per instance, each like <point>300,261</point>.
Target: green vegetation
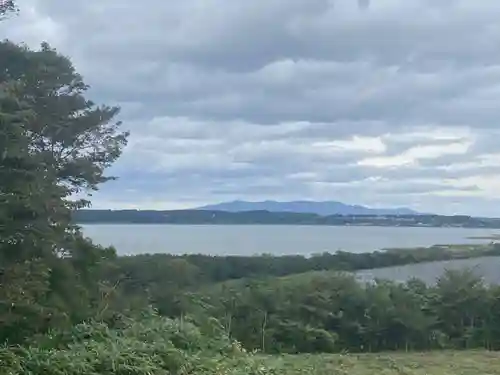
<point>164,274</point>
<point>6,6</point>
<point>434,363</point>
<point>68,307</point>
<point>147,345</point>
<point>246,293</point>
<point>330,312</point>
<point>54,144</point>
<point>276,218</point>
<point>42,166</point>
<point>155,345</point>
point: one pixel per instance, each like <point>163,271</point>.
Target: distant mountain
<point>319,208</point>
<point>206,217</point>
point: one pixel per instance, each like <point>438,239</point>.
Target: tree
<point>54,145</point>
<point>77,138</point>
<point>462,306</point>
<point>6,6</point>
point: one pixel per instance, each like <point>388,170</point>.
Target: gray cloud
<point>381,102</point>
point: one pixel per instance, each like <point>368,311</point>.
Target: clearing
<point>431,363</point>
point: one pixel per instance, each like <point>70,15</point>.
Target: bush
<point>152,345</point>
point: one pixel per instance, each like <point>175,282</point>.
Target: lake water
<point>486,267</point>
<point>272,239</point>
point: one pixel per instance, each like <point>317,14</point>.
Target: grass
<point>433,363</point>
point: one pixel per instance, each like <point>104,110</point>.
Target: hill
<point>206,217</point>
<point>324,208</point>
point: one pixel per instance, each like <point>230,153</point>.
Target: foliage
<point>321,311</point>
<point>6,6</point>
<point>328,312</point>
<point>165,277</point>
<point>54,145</point>
<point>149,269</point>
<point>151,345</point>
<point>69,133</point>
<point>154,345</point>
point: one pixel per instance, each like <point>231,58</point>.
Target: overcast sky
<point>381,102</point>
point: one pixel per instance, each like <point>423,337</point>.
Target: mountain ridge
<point>322,208</point>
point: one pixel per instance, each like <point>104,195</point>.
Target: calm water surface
<point>486,267</point>
<point>271,239</point>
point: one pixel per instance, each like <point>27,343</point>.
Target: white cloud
<point>356,144</point>
<point>416,153</point>
<point>480,161</point>
<point>430,133</point>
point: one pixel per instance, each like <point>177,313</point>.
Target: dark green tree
<point>6,6</point>
<point>54,147</point>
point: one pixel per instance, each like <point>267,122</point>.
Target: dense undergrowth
<point>153,345</point>
<point>144,346</point>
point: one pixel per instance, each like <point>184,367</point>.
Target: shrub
<point>152,345</point>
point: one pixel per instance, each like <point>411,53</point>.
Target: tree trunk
<point>264,324</point>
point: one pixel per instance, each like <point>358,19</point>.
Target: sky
<point>383,103</point>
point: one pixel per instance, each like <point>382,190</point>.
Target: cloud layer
<point>381,102</point>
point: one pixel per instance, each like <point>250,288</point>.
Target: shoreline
<point>299,225</point>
